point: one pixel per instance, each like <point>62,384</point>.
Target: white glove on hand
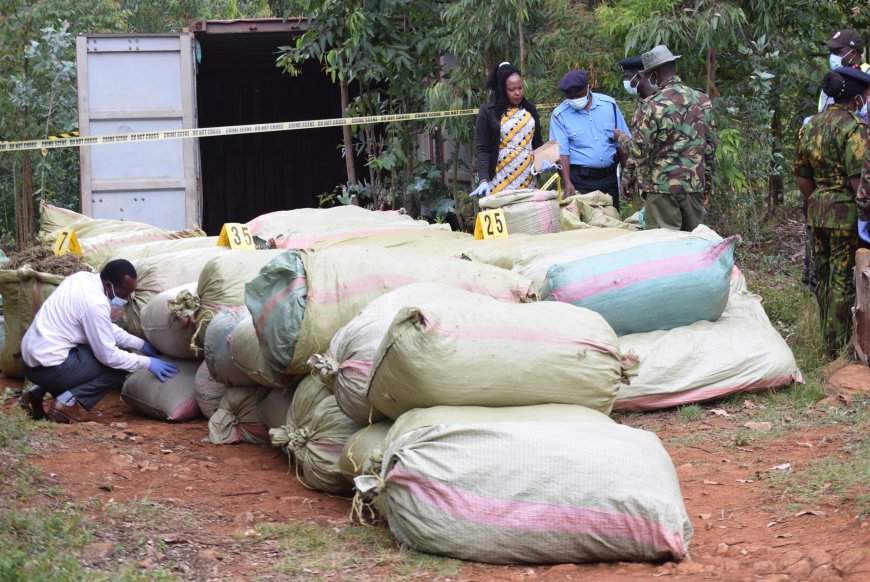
<point>482,190</point>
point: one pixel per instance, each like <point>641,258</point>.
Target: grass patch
<point>314,552</point>
<point>689,413</point>
<point>843,480</point>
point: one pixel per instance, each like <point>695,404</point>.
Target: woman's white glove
<point>482,190</point>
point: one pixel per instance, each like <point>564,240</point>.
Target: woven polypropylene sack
<point>156,274</point>
<point>343,281</point>
<point>246,354</point>
<point>218,355</point>
<point>314,435</point>
<point>221,285</point>
<point>657,286</point>
<point>740,352</point>
<point>23,292</point>
<point>165,247</point>
<point>347,366</point>
<point>172,400</point>
<point>276,298</point>
<point>164,329</point>
<point>300,228</point>
<point>527,211</point>
<point>237,419</point>
<point>533,492</point>
<point>100,249</point>
<point>208,392</point>
<point>497,354</point>
<point>434,415</point>
<point>579,214</point>
<point>364,451</point>
<point>272,409</point>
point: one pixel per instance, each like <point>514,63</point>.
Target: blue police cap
<point>573,80</point>
<point>631,64</point>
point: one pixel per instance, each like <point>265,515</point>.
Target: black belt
<point>586,171</point>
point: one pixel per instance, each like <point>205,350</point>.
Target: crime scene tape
<point>67,135</point>
<point>66,142</point>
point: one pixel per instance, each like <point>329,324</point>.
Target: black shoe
<point>31,401</point>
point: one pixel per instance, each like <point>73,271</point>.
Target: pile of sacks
<point>454,382</point>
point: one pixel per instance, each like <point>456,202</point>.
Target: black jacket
<point>489,136</point>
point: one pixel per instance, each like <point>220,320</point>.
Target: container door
<point>129,84</point>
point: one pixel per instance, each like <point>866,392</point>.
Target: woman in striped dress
<point>508,130</point>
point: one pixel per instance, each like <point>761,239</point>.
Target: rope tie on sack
<point>324,366</point>
<point>368,487</point>
<point>187,308</point>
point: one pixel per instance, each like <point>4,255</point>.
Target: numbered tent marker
<point>67,242</point>
<point>490,224</point>
<point>236,236</point>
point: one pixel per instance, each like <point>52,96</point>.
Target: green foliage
<point>689,413</point>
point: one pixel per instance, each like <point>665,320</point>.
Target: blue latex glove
<point>864,230</point>
<point>163,370</point>
<point>150,351</point>
<point>547,166</point>
<point>482,190</point>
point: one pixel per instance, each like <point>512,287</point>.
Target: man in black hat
<point>583,124</point>
<point>847,49</point>
<point>633,78</point>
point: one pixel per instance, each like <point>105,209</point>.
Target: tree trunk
<point>522,43</point>
<point>348,137</point>
<point>711,71</point>
<point>861,316</point>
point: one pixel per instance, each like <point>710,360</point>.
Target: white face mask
<point>836,61</point>
<point>863,111</point>
<point>628,88</point>
<point>579,103</point>
<point>116,301</point>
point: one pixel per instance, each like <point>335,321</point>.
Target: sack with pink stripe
<point>656,286</point>
<point>314,435</point>
<point>173,400</point>
<point>532,492</point>
<point>345,368</point>
<point>330,287</point>
<point>527,211</point>
<point>496,354</point>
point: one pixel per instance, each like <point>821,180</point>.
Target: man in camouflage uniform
<point>636,83</point>
<point>828,162</point>
<point>674,146</point>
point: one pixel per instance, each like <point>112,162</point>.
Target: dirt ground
<point>744,528</point>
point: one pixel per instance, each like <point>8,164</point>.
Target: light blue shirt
<point>586,137</point>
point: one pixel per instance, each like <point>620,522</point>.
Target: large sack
<point>272,409</point>
<point>496,354</point>
<point>519,251</point>
<point>23,292</point>
<point>527,211</point>
<point>579,214</point>
<point>657,286</point>
<point>156,274</point>
<point>346,367</point>
<point>99,249</point>
<point>599,201</point>
<point>164,329</point>
<point>55,218</point>
<point>246,354</point>
<point>237,419</point>
<point>314,435</point>
<point>535,265</point>
<point>164,247</point>
<point>740,352</point>
<point>364,450</point>
<point>340,282</point>
<point>218,355</point>
<point>172,400</point>
<point>441,243</point>
<point>435,415</point>
<point>300,228</point>
<point>532,492</point>
<point>221,285</point>
<point>208,392</point>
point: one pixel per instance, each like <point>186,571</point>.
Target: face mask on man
<point>579,103</point>
<point>836,61</point>
<point>628,88</point>
<point>862,112</point>
<point>116,301</point>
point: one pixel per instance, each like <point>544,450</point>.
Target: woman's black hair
<point>841,88</point>
<point>497,84</point>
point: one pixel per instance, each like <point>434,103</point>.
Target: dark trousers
<point>835,293</point>
<point>810,263</point>
<point>586,181</point>
<point>82,374</point>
